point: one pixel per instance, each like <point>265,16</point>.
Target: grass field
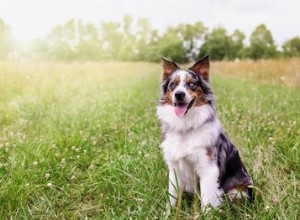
<point>81,140</point>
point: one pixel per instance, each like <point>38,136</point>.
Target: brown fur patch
<point>239,193</point>
<point>209,152</point>
<point>189,79</point>
<point>198,95</point>
<point>168,97</point>
<point>242,188</point>
<point>176,80</point>
<point>169,93</point>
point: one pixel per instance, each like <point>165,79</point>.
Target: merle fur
<point>232,170</point>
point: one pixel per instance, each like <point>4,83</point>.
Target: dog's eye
<point>172,86</point>
<point>191,85</point>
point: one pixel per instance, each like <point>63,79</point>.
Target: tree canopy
<point>262,43</point>
<point>131,40</point>
<point>291,47</point>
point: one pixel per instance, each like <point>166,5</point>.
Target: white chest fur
<point>191,144</point>
<point>188,138</point>
<point>185,152</point>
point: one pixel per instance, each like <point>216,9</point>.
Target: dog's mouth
<point>181,108</point>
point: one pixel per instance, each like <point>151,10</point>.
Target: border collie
<point>201,158</point>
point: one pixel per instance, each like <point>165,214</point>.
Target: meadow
<point>81,140</point>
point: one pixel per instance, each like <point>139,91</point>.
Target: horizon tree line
<point>131,40</point>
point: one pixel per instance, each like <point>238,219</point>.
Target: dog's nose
<point>179,95</point>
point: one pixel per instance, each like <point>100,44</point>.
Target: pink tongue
<point>180,110</point>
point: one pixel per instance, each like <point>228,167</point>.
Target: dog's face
<point>184,89</point>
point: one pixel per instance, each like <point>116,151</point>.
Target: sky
<point>31,19</point>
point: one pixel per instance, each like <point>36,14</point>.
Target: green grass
<point>82,141</point>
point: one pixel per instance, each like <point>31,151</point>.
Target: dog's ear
<point>201,67</point>
<point>168,67</point>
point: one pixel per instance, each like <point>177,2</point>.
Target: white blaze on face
<point>180,110</point>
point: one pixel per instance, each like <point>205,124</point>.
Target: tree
<point>154,50</point>
<point>6,44</point>
<point>171,46</point>
<point>142,38</point>
<point>63,41</point>
<point>137,41</point>
<point>291,48</point>
<point>128,48</point>
<point>89,45</point>
<point>262,43</point>
<point>192,36</point>
<point>112,39</point>
<point>236,45</point>
<point>217,44</point>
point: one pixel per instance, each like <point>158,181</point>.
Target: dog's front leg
<point>175,185</point>
<point>211,193</point>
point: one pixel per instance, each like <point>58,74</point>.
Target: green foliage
<point>75,40</point>
<point>172,46</point>
<point>217,44</point>
<point>111,37</point>
<point>127,50</point>
<point>192,36</point>
<point>262,43</point>
<point>6,44</point>
<point>291,48</point>
<point>138,41</point>
<point>236,45</point>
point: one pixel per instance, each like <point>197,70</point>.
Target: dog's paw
<point>213,200</point>
<point>240,193</point>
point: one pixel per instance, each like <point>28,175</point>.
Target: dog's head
<point>185,89</point>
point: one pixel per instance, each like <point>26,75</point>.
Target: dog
<point>200,157</point>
